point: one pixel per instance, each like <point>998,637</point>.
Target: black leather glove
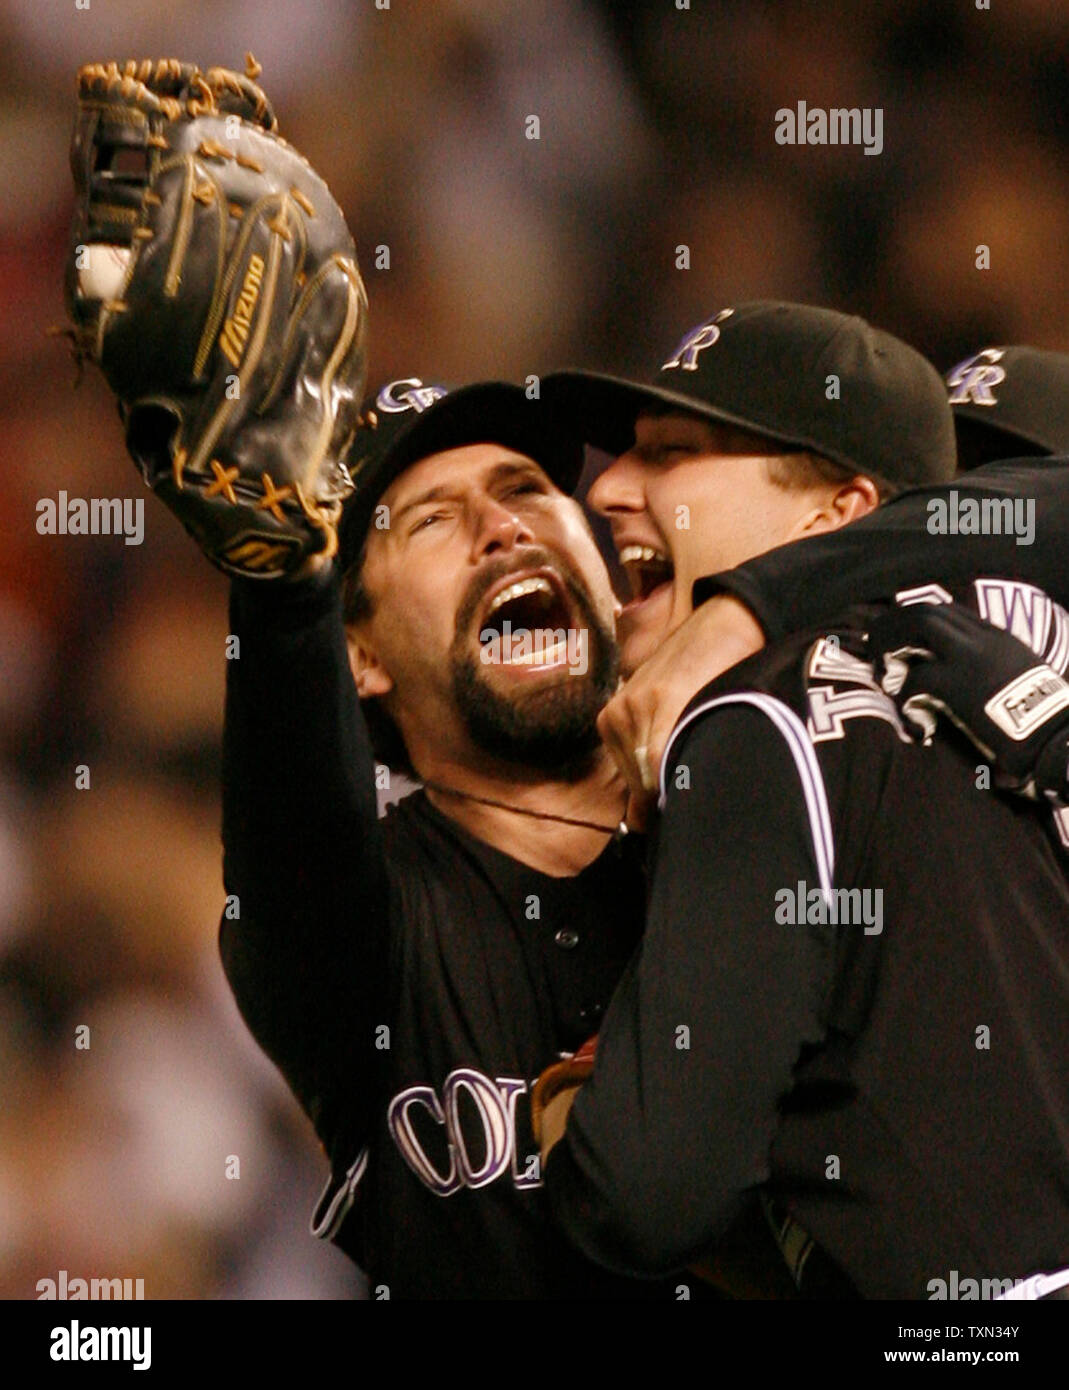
<point>213,279</point>
<point>941,659</point>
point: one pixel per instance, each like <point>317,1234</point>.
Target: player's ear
<point>369,674</point>
<point>838,506</point>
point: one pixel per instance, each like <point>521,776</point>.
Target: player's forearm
<point>674,1126</point>
<point>903,544</point>
<point>299,807</point>
<point>672,1131</point>
<point>303,936</point>
<point>308,899</point>
<point>606,1185</point>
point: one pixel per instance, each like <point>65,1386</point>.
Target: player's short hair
<point>386,742</point>
<point>800,469</point>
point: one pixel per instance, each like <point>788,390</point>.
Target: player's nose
<point>619,488</point>
<point>497,528</point>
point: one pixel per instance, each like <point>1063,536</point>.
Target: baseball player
<point>411,977</point>
<point>1009,402</point>
<point>822,1010</point>
<point>1004,520</point>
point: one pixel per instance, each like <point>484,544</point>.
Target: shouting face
<point>691,498</point>
<point>490,613</point>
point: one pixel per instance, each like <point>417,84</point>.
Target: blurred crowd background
<point>507,256</point>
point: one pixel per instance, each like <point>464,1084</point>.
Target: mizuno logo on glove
<point>235,332</point>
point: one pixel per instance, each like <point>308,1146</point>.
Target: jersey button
<point>566,938</point>
<point>592,1013</point>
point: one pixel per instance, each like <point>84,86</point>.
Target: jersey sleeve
<point>901,545</point>
<point>673,1129</point>
<point>304,936</point>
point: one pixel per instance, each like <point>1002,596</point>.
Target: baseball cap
<point>1010,401</point>
<point>806,377</point>
<point>406,421</point>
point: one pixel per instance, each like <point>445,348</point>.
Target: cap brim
<point>602,409</point>
<point>980,418</point>
<point>981,441</point>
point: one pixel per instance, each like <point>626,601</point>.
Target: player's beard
<point>551,725</point>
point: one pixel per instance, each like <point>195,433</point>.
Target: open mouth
<point>530,617</point>
<point>647,570</point>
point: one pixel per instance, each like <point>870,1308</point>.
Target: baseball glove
<point>554,1092</point>
<point>942,659</point>
<point>212,278</point>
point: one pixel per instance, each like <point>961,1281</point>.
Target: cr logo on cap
<point>415,396</point>
<point>697,340</point>
<point>971,381</point>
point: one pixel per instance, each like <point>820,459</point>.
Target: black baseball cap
<point>407,420</point>
<point>765,367</point>
<point>1010,402</point>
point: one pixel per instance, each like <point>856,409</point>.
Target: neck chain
<point>616,831</point>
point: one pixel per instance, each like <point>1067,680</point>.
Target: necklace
<point>617,832</point>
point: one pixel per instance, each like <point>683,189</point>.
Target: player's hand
<point>638,721</point>
<point>943,660</point>
<point>554,1094</point>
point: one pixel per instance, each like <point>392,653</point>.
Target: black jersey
<point>409,981</point>
<point>852,994</point>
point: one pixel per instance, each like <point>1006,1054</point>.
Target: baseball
<point>103,270</point>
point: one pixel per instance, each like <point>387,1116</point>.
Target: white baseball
<point>103,270</point>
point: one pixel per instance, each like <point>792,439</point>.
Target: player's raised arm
<point>1006,520</point>
<point>213,280</point>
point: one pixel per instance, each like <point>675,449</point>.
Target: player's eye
<point>426,522</point>
<point>654,454</point>
<point>528,485</point>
